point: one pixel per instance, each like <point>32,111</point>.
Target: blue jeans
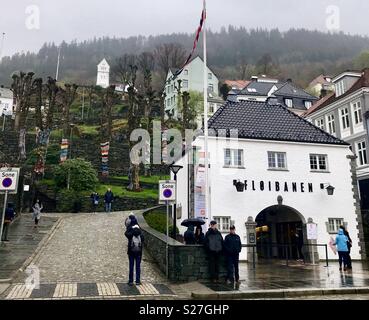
<point>108,207</point>
<point>135,258</point>
<point>232,267</point>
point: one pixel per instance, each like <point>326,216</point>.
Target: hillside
<point>233,53</point>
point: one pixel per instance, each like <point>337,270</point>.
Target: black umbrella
<point>193,222</point>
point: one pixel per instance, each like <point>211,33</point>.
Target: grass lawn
<point>122,192</point>
<point>152,179</point>
<point>91,130</point>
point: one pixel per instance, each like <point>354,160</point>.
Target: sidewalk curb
<point>280,293</point>
<point>39,248</point>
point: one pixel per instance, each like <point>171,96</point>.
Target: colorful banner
<point>105,147</point>
<point>64,147</point>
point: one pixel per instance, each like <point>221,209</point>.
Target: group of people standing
<point>343,243</point>
<point>216,247</point>
<point>108,201</point>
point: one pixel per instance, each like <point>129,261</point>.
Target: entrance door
<point>286,239</point>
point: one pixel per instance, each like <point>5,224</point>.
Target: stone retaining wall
<point>186,262</point>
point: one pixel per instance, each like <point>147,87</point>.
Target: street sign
<point>9,180</point>
<point>312,231</point>
<point>167,191</point>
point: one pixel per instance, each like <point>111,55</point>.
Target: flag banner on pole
<point>64,150</point>
<point>105,147</point>
<point>198,32</point>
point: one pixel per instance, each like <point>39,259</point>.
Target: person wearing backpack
<point>135,247</point>
<point>9,217</point>
<point>214,246</point>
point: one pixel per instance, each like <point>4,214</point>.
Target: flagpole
<point>206,129</point>
<point>57,65</point>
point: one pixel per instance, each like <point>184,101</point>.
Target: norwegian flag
<point>198,32</point>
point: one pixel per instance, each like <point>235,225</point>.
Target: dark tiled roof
<point>290,90</point>
<point>267,121</point>
<point>362,82</point>
<point>256,88</point>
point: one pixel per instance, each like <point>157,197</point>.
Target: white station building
<point>103,74</point>
<point>271,168</point>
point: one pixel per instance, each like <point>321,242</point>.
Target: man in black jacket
<point>232,248</point>
<point>214,246</point>
<point>135,248</point>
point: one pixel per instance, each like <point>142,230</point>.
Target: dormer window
<point>340,88</point>
<point>308,104</point>
<point>288,103</point>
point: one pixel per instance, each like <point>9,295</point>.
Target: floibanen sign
<point>277,186</point>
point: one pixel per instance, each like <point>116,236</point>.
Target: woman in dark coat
<point>199,235</point>
<point>189,236</point>
<point>349,245</point>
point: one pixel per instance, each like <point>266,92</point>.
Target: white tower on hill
<point>103,73</point>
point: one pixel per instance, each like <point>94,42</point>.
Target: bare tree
<point>121,68</point>
<point>67,97</point>
<point>169,55</point>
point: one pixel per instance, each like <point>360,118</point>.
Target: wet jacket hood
<point>341,232</point>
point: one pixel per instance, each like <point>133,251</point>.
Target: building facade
<point>270,168</point>
<point>103,74</point>
<point>6,101</point>
<point>192,79</point>
<point>286,93</point>
<point>343,114</point>
<point>321,83</point>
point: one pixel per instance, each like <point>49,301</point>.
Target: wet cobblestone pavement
<point>90,248</point>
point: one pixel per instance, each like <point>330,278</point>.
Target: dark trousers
<point>349,262</point>
<point>301,255</point>
<point>232,267</point>
<point>214,258</point>
<point>5,231</point>
<point>135,259</point>
<point>343,258</point>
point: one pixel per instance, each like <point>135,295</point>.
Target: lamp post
<point>175,169</point>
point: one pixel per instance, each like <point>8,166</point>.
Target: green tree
<point>82,176</point>
<point>362,60</point>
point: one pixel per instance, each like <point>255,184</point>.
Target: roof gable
<point>267,121</point>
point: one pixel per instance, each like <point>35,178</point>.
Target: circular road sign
<point>7,182</point>
<point>167,193</point>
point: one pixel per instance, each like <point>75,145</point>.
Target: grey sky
<point>84,19</point>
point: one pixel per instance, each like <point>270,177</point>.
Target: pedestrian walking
<point>135,247</point>
<point>214,246</point>
<point>342,248</point>
<point>36,216</point>
<point>108,199</point>
<point>189,236</point>
<point>9,217</point>
<point>232,248</point>
<point>95,198</point>
<point>349,246</point>
<point>199,235</point>
<point>299,239</point>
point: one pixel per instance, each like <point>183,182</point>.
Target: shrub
<point>68,201</point>
<point>158,221</point>
<point>83,177</point>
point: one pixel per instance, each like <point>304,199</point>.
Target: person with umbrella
<point>189,235</point>
<point>199,235</point>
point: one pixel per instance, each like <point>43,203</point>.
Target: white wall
<point>225,201</point>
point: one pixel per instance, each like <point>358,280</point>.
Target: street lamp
<point>327,186</point>
<point>175,169</point>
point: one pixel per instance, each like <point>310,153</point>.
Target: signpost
<point>8,184</point>
<point>312,234</point>
<point>167,195</point>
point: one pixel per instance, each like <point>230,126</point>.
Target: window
<point>288,103</point>
<point>320,123</point>
<point>318,162</point>
<point>185,72</point>
<point>185,84</point>
<point>308,104</point>
<point>361,153</point>
<point>277,160</point>
<point>358,117</point>
<point>331,124</point>
<point>224,223</point>
<point>210,76</point>
<point>211,107</point>
<point>233,157</point>
<point>211,88</point>
<point>334,224</point>
<point>345,118</point>
<point>340,88</point>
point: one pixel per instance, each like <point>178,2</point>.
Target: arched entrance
<point>279,233</point>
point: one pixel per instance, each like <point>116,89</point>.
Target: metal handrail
<point>286,246</point>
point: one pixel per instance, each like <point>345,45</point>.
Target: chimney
<point>254,78</point>
<point>289,80</point>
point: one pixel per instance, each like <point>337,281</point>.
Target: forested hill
<point>232,53</point>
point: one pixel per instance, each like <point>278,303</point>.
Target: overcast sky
<point>83,19</point>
